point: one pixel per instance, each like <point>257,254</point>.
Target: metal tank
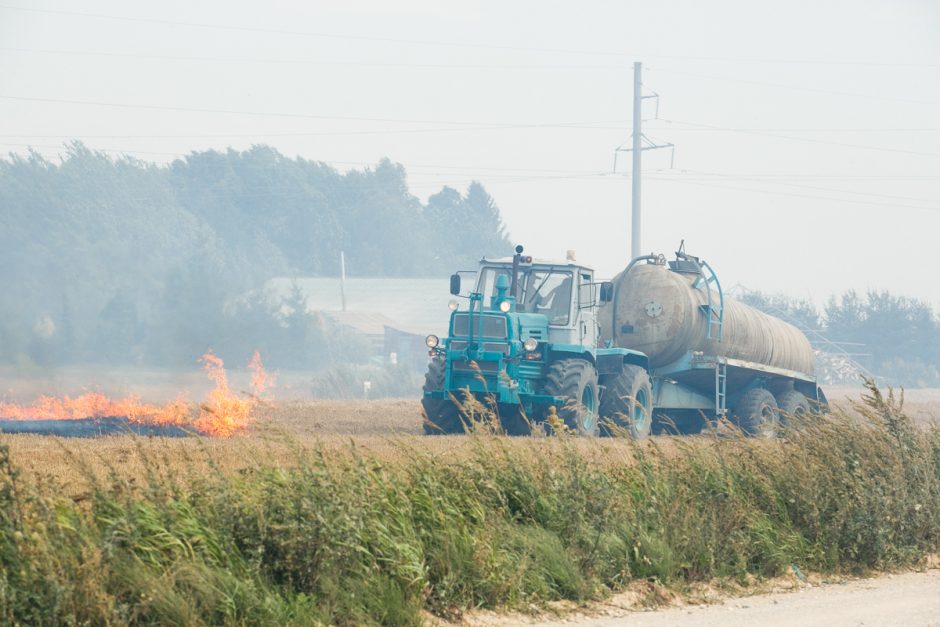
<point>666,312</point>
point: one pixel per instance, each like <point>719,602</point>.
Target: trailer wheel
<point>757,413</point>
<point>794,405</point>
<point>627,402</point>
<point>442,416</point>
<point>575,380</point>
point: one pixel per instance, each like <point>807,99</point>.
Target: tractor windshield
<point>543,290</point>
<point>548,292</point>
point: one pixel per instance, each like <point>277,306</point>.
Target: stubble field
<point>383,428</point>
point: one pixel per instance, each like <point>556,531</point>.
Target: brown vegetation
<point>288,526</point>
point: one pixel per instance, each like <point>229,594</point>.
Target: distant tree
<point>798,311</point>
<point>891,327</point>
<point>121,260</point>
<point>475,217</point>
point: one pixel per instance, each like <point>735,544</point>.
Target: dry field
<point>388,428</point>
<point>923,404</point>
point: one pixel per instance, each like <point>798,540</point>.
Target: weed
<point>330,534</point>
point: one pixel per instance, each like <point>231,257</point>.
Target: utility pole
<point>342,279</point>
<point>637,147</point>
<point>635,249</point>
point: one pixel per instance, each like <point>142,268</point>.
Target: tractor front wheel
<point>575,380</point>
<point>441,415</point>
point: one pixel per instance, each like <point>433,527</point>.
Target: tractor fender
<point>611,360</point>
<point>569,351</point>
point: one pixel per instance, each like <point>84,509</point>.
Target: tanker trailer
<point>709,356</point>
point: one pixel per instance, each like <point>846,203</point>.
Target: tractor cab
<point>563,293</point>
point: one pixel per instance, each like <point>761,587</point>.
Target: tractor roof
<point>535,262</point>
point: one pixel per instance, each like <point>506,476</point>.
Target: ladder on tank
<point>721,388</point>
<point>706,278</point>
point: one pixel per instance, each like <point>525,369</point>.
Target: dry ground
<point>387,428</point>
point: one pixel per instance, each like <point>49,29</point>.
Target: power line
<point>817,90</point>
<point>712,176</point>
<point>796,195</point>
<point>472,125</point>
<point>466,170</point>
<point>297,33</point>
<point>464,124</point>
<point>454,44</point>
<point>773,177</point>
<point>96,103</point>
<point>823,177</point>
<point>443,129</point>
<point>515,176</point>
<point>259,134</point>
<point>311,60</point>
<point>805,139</point>
<point>810,130</point>
<point>555,125</point>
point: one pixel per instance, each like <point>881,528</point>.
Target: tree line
<point>895,337</point>
<point>127,261</point>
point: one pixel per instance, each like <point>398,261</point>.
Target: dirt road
<point>909,599</point>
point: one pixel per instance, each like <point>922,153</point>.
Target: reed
<point>331,533</point>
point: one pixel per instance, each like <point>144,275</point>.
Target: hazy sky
<point>807,133</point>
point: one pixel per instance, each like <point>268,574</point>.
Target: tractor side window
<point>549,293</point>
<point>586,289</point>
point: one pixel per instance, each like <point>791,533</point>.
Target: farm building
<point>394,314</point>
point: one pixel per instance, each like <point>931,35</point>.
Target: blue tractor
<point>525,347</point>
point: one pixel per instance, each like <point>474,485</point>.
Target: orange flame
<point>97,405</point>
<point>223,413</point>
<point>260,380</point>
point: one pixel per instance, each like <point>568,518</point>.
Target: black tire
<point>757,413</point>
<point>627,402</point>
<point>793,405</point>
<point>441,415</point>
<point>575,380</point>
<point>512,421</point>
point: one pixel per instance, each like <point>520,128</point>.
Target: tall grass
<point>346,538</point>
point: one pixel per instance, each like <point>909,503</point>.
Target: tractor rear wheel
<point>757,413</point>
<point>627,402</point>
<point>442,415</point>
<point>575,380</point>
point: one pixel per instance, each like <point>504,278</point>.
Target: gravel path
<point>909,599</point>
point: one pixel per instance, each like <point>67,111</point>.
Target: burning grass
<point>224,413</point>
<point>277,532</point>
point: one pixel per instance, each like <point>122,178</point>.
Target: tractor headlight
<point>432,341</point>
<point>505,306</point>
<point>530,344</point>
<point>452,305</point>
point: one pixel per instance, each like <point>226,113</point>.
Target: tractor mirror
<point>455,284</point>
<point>607,292</point>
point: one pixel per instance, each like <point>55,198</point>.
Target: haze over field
<point>806,161</point>
<point>807,143</point>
